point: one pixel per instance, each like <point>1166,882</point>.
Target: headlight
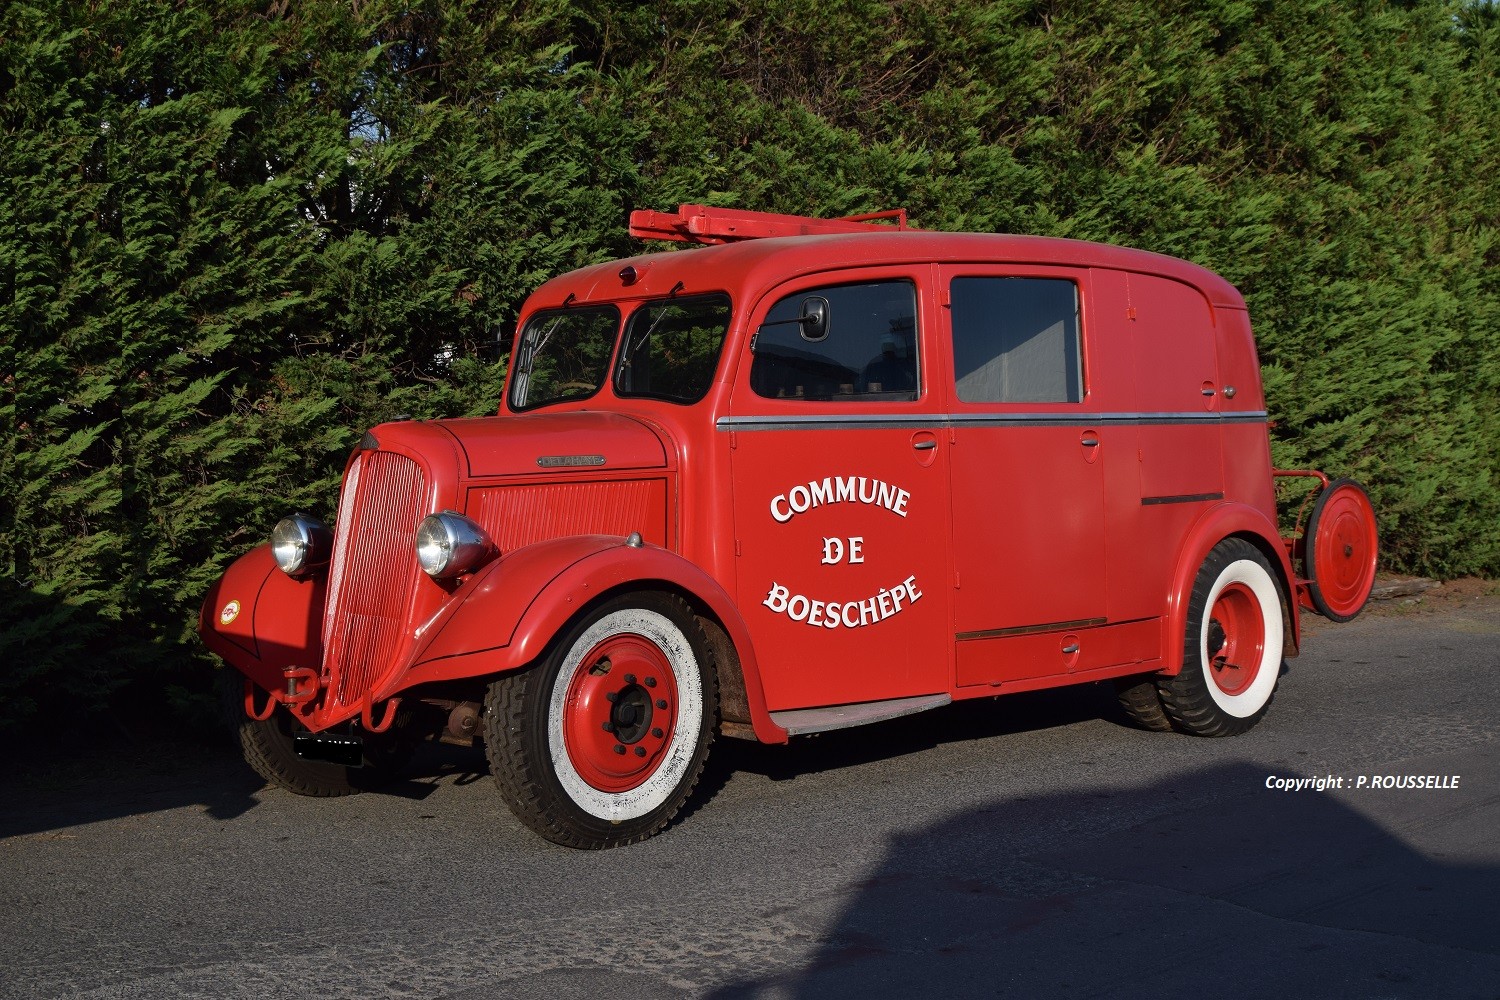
<point>449,545</point>
<point>301,544</point>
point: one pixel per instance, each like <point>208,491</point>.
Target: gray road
<point>1032,846</point>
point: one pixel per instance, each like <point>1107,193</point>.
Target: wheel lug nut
<point>609,727</point>
<point>651,682</point>
<point>656,731</point>
<point>619,748</point>
<point>640,751</point>
<point>630,678</point>
<point>611,697</point>
<point>661,703</point>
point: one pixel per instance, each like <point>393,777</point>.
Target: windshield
<point>564,354</point>
<point>671,348</point>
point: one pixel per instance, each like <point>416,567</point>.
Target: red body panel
<point>263,621</point>
<point>854,548</point>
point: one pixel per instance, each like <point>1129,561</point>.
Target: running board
<point>799,721</point>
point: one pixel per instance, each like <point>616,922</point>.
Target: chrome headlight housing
<point>450,545</point>
<point>301,544</point>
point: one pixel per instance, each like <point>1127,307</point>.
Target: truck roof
<point>752,266</point>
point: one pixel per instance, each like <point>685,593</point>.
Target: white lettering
<point>797,612</point>
<point>834,489</point>
<point>834,550</point>
<point>776,599</point>
<point>822,492</point>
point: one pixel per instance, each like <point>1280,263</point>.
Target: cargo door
<point>1177,386</point>
<point>840,493</point>
<point>1030,449</point>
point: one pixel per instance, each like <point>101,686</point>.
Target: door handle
<point>1089,441</point>
<point>924,445</point>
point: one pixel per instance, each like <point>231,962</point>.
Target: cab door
<point>1030,451</point>
<point>839,477</point>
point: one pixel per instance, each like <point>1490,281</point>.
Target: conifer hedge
<point>234,234</point>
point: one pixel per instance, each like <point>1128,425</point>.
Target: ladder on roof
<point>708,225</point>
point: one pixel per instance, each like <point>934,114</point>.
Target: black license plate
<point>330,748</point>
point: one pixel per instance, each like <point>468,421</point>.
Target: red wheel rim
<point>620,713</point>
<point>1343,551</point>
<point>1236,641</point>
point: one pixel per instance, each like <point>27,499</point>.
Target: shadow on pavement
<point>1253,893</point>
<point>957,723</point>
<point>53,793</point>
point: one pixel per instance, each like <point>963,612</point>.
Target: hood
<point>554,443</point>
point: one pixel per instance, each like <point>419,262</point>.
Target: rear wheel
<point>1142,702</point>
<point>601,743</point>
<point>1231,645</point>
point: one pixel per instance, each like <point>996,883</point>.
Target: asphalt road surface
<point>1030,847</point>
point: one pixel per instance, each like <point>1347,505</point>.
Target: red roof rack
<point>705,224</point>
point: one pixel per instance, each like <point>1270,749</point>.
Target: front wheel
<point>1232,644</point>
<point>601,743</point>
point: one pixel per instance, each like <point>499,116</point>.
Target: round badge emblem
<point>230,613</point>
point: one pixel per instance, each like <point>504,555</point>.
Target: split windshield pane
<point>564,354</point>
<point>671,348</point>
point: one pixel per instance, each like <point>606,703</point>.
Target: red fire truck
<point>812,474</point>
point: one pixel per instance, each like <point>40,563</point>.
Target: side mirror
<point>814,320</point>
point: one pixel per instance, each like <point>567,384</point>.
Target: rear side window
<point>855,343</point>
<point>1015,340</point>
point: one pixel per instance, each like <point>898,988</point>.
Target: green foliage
<point>236,234</point>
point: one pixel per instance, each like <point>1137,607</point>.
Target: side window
<point>1015,340</point>
<point>840,342</point>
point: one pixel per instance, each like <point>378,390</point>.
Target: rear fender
<point>262,621</point>
<point>1216,524</point>
<point>503,617</point>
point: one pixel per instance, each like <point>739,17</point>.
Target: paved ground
<point>1033,846</point>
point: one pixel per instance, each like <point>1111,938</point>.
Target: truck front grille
<point>373,573</point>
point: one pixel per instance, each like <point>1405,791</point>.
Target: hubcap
<point>620,713</point>
<point>1236,639</point>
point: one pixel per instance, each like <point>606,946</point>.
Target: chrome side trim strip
<point>881,421</point>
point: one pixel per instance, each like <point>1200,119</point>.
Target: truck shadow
<point>52,791</point>
<point>1236,891</point>
<point>957,723</point>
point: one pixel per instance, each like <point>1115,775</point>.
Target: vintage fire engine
<point>815,474</point>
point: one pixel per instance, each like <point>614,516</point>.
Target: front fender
<point>262,621</point>
<point>505,615</point>
<point>1216,524</point>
